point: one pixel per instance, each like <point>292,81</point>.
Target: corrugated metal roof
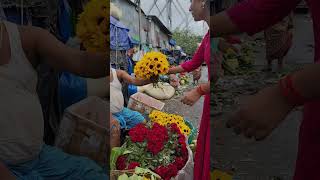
<point>156,20</point>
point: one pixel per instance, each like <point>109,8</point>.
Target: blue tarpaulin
<point>64,20</point>
<point>72,89</point>
<point>172,42</point>
<point>119,37</point>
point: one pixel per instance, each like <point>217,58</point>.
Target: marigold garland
<point>151,65</point>
<point>93,26</point>
<point>165,119</point>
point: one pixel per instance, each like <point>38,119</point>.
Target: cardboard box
<point>144,104</point>
<point>85,130</point>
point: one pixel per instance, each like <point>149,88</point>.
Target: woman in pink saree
<point>200,11</point>
<point>300,88</point>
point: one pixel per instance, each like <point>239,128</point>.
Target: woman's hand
<point>175,70</point>
<point>261,115</point>
<point>191,97</point>
<point>196,74</point>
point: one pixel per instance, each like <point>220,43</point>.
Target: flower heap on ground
<point>165,119</point>
<point>152,146</point>
<point>93,26</point>
<point>151,65</point>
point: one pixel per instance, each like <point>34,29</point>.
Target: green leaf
<point>127,152</point>
<point>115,153</point>
<point>135,177</point>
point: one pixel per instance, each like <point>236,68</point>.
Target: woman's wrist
<point>200,90</point>
<point>289,91</point>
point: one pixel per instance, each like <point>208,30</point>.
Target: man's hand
<point>191,97</point>
<point>261,115</point>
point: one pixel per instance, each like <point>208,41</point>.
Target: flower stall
<point>158,148</point>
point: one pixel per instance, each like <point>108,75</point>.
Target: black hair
<point>215,6</point>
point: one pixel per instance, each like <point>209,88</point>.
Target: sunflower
<point>166,119</point>
<point>93,28</point>
<point>152,65</point>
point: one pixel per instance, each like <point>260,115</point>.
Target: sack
<point>162,92</point>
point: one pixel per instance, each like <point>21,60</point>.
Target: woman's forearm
<point>175,70</point>
<point>221,24</point>
<point>206,87</point>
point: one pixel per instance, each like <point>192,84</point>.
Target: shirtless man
<point>23,154</point>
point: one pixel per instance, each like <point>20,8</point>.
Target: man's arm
<point>124,76</point>
<point>62,57</point>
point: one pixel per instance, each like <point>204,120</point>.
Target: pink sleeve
<point>198,57</point>
<point>253,16</point>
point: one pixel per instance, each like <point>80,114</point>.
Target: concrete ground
<point>276,155</point>
<point>192,113</point>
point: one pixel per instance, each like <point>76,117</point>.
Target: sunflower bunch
<point>93,27</point>
<point>166,119</point>
<point>151,65</point>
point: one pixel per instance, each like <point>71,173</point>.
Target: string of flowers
<point>93,26</point>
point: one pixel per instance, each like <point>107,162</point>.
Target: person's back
<point>116,96</point>
<point>21,134</point>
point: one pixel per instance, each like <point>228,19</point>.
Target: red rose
<point>154,147</point>
<point>138,133</point>
<point>133,165</point>
<point>179,162</point>
<point>182,140</point>
<point>167,172</point>
<point>163,172</point>
<point>184,152</point>
<point>173,170</point>
<point>174,128</point>
<point>157,137</point>
<point>121,162</point>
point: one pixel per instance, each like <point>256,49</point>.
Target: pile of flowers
<point>151,65</point>
<point>165,119</point>
<point>93,26</point>
<point>153,146</point>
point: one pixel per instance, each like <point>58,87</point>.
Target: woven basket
<point>114,174</point>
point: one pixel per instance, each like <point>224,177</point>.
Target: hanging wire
<point>2,16</point>
<point>21,4</point>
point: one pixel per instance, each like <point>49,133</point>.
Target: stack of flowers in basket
<point>162,149</point>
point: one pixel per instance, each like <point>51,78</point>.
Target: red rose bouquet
<point>161,149</point>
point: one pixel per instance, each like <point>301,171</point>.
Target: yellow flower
<point>151,65</point>
<point>93,28</point>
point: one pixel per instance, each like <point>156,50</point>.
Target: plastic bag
<point>72,89</point>
<point>186,173</point>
